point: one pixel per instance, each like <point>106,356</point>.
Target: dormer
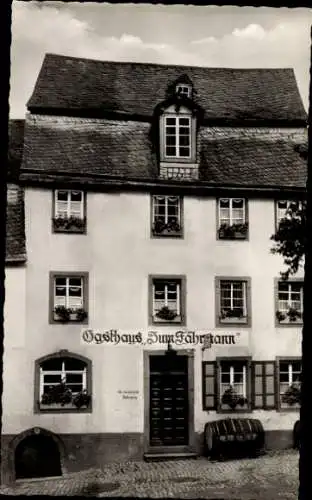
<point>183,87</point>
<point>178,123</point>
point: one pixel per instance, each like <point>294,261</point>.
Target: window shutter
<point>209,385</point>
<point>264,385</point>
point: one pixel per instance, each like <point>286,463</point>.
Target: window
<point>233,301</point>
<point>184,90</point>
<point>232,218</point>
<point>63,383</point>
<point>166,216</point>
<point>289,383</point>
<point>282,207</point>
<point>226,384</point>
<point>289,302</point>
<point>178,135</point>
<point>233,384</point>
<point>230,381</point>
<point>69,297</point>
<point>69,211</point>
<point>167,300</point>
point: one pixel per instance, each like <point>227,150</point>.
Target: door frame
<point>190,447</point>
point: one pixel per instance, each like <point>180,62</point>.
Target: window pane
<point>73,364</point>
<point>60,281</point>
<point>170,120</point>
<point>237,203</point>
<point>184,152</point>
<point>73,378</point>
<point>184,121</point>
<point>54,364</point>
<point>76,196</point>
<point>224,203</point>
<point>184,140</point>
<point>52,379</point>
<point>170,140</point>
<point>62,195</point>
<point>75,388</point>
<point>170,151</point>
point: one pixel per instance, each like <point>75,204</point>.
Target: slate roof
<point>15,225</point>
<point>114,149</point>
<point>84,87</point>
<point>15,147</point>
<point>15,220</point>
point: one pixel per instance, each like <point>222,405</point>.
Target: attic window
<point>184,90</point>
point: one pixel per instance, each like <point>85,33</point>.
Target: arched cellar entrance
<point>37,455</point>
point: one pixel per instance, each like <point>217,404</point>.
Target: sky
<point>215,36</point>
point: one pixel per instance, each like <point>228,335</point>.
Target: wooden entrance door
<point>169,416</point>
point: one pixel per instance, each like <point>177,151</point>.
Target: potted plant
<point>74,224</point>
<point>166,314</point>
<point>292,396</point>
<point>232,399</point>
<point>162,227</point>
<point>82,399</point>
<point>280,316</point>
<point>293,314</point>
<point>233,231</point>
<point>62,314</point>
<point>66,314</point>
<point>80,314</point>
<point>59,394</point>
<point>230,315</point>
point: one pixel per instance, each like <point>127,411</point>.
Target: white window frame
<point>62,373</point>
<point>231,219</point>
<point>68,212</point>
<point>166,198</point>
<point>281,213</point>
<point>244,295</point>
<point>280,302</point>
<point>67,286</point>
<point>224,386</point>
<point>184,89</point>
<point>177,307</point>
<point>177,146</point>
<point>290,372</point>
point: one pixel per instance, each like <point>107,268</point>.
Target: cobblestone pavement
<point>269,477</point>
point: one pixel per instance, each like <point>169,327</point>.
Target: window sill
<point>287,409</point>
<point>289,323</point>
<point>175,159</point>
<point>233,237</point>
<point>159,321</point>
<point>167,234</point>
<point>57,408</point>
<point>236,411</point>
<point>233,321</point>
<point>72,320</point>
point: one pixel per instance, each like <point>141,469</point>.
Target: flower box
<point>291,317</point>
<point>60,397</point>
<point>161,228</point>
<point>233,316</point>
<point>69,225</point>
<point>233,232</point>
<point>67,315</point>
<point>231,400</point>
<point>166,315</point>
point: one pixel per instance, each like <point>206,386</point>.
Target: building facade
<point>149,293</point>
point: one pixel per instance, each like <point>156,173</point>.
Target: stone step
<point>162,457</point>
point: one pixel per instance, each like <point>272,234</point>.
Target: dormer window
<point>184,90</point>
<point>178,136</point>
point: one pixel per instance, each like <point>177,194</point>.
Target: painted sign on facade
<point>151,337</point>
